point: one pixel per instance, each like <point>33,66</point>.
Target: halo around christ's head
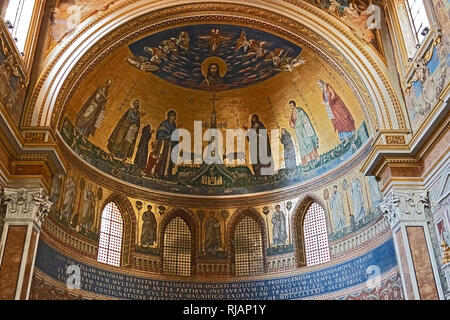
<point>223,68</point>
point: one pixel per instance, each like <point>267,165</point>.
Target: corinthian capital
<point>26,205</point>
<point>410,206</point>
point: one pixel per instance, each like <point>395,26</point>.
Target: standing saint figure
<point>337,209</point>
<point>375,193</point>
<point>140,160</point>
<point>56,190</point>
<point>69,199</point>
<point>261,134</point>
<point>358,200</point>
<point>340,117</point>
<point>213,237</point>
<point>122,141</point>
<point>92,113</point>
<point>289,150</point>
<point>279,226</point>
<point>148,234</point>
<point>88,209</point>
<point>308,142</point>
<point>164,146</point>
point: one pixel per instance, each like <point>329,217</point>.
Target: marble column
<point>26,209</point>
<point>408,213</point>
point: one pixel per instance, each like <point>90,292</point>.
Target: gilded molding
<point>395,139</point>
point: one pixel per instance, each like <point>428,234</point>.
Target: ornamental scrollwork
<point>27,204</point>
<point>411,206</point>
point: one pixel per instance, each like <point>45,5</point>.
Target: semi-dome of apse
<point>229,77</point>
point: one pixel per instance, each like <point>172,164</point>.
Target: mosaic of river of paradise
<point>123,115</point>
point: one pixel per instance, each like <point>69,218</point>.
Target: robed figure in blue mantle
<point>165,145</point>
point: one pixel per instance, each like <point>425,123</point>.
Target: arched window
<point>248,248</point>
<point>316,236</point>
<point>419,19</point>
<point>111,231</point>
<point>18,18</point>
<point>177,248</point>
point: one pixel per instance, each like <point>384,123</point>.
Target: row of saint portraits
<point>350,204</point>
<point>156,161</point>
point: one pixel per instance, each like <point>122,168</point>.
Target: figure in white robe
<point>56,190</point>
<point>69,199</point>
<point>279,227</point>
<point>358,201</point>
<point>337,209</point>
<point>92,114</point>
<point>308,142</point>
<point>375,193</point>
<point>88,209</point>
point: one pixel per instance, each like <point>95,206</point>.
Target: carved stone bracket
<point>26,205</point>
<point>406,207</point>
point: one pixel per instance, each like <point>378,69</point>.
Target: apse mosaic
<point>124,114</point>
<point>214,57</point>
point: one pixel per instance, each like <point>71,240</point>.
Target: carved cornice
<point>26,205</point>
<point>385,154</point>
<point>406,207</point>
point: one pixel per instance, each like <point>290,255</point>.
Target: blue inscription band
<point>303,285</point>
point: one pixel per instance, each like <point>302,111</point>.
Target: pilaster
<point>408,213</point>
<point>26,209</point>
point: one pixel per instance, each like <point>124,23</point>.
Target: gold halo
<point>223,68</point>
<point>139,98</point>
